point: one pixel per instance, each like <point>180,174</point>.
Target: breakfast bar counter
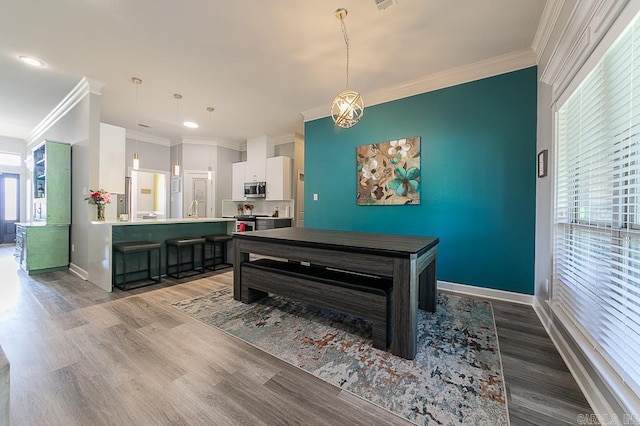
<point>105,234</point>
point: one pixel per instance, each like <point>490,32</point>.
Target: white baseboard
<point>490,293</point>
<point>599,399</point>
<point>79,271</point>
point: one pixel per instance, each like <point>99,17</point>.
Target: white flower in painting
<point>399,147</point>
<point>370,171</point>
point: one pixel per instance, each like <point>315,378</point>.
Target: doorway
<point>9,206</point>
<point>198,187</point>
<point>148,192</point>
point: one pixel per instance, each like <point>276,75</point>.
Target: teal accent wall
<point>478,161</point>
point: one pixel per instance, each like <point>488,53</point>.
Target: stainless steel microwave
<point>255,189</point>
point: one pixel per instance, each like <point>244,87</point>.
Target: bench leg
<point>249,295</point>
<point>379,335</point>
<point>428,288</point>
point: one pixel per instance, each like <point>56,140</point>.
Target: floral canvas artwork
<point>388,172</point>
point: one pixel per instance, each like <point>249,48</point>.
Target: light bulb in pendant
<point>209,173</point>
<point>136,161</point>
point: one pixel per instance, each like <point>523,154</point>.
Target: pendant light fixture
<point>209,171</point>
<point>177,97</point>
<point>136,158</point>
<point>348,107</point>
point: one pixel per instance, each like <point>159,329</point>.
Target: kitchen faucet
<point>193,209</point>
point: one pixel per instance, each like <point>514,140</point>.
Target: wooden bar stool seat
<point>179,244</point>
<point>135,247</point>
<point>218,242</point>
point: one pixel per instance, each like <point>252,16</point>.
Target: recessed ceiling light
<point>32,61</point>
<point>190,124</point>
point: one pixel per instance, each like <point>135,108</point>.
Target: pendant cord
<point>136,105</point>
<point>346,42</point>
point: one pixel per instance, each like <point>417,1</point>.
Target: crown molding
<point>585,28</point>
<point>284,139</point>
<point>82,89</point>
<point>547,23</point>
<point>478,70</point>
<point>145,137</point>
<point>237,146</point>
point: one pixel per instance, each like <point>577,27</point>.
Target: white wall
<point>285,149</point>
<point>226,157</point>
<point>152,156</point>
<point>200,156</point>
<point>145,200</point>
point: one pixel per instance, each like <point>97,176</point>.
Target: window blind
<point>597,207</point>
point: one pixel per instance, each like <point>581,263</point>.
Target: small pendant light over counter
<point>176,167</point>
<point>209,171</point>
<point>136,158</point>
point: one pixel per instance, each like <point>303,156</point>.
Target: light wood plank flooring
<point>81,356</point>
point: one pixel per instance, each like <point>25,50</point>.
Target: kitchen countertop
<point>264,217</point>
<point>37,223</point>
<point>274,218</point>
<point>137,221</point>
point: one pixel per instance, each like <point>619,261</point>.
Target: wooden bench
<point>362,296</point>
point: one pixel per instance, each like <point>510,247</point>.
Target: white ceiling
<point>258,63</point>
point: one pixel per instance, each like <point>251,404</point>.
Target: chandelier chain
<point>346,42</point>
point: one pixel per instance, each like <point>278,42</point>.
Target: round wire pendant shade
<point>347,109</point>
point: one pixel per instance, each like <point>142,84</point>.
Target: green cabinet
<point>44,248</point>
<point>52,182</point>
<point>42,245</point>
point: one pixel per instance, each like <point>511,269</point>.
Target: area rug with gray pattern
<point>456,377</point>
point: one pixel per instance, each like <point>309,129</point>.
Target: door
<point>198,188</point>
<point>9,206</point>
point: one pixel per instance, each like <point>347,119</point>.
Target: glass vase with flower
<point>100,198</point>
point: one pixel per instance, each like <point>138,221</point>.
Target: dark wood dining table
<point>410,261</point>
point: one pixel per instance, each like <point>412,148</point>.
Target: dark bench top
<point>132,246</point>
<point>185,241</point>
<point>404,246</point>
<point>349,280</point>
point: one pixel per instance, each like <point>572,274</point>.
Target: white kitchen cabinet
<point>237,181</point>
<point>258,150</point>
<point>278,174</point>
<point>111,167</point>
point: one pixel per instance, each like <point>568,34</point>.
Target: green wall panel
<point>478,162</point>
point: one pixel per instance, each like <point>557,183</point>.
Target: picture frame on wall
<point>175,185</point>
<point>388,173</point>
<point>542,163</point>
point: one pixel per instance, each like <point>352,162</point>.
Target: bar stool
<point>218,241</point>
<point>135,247</point>
<point>179,244</point>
